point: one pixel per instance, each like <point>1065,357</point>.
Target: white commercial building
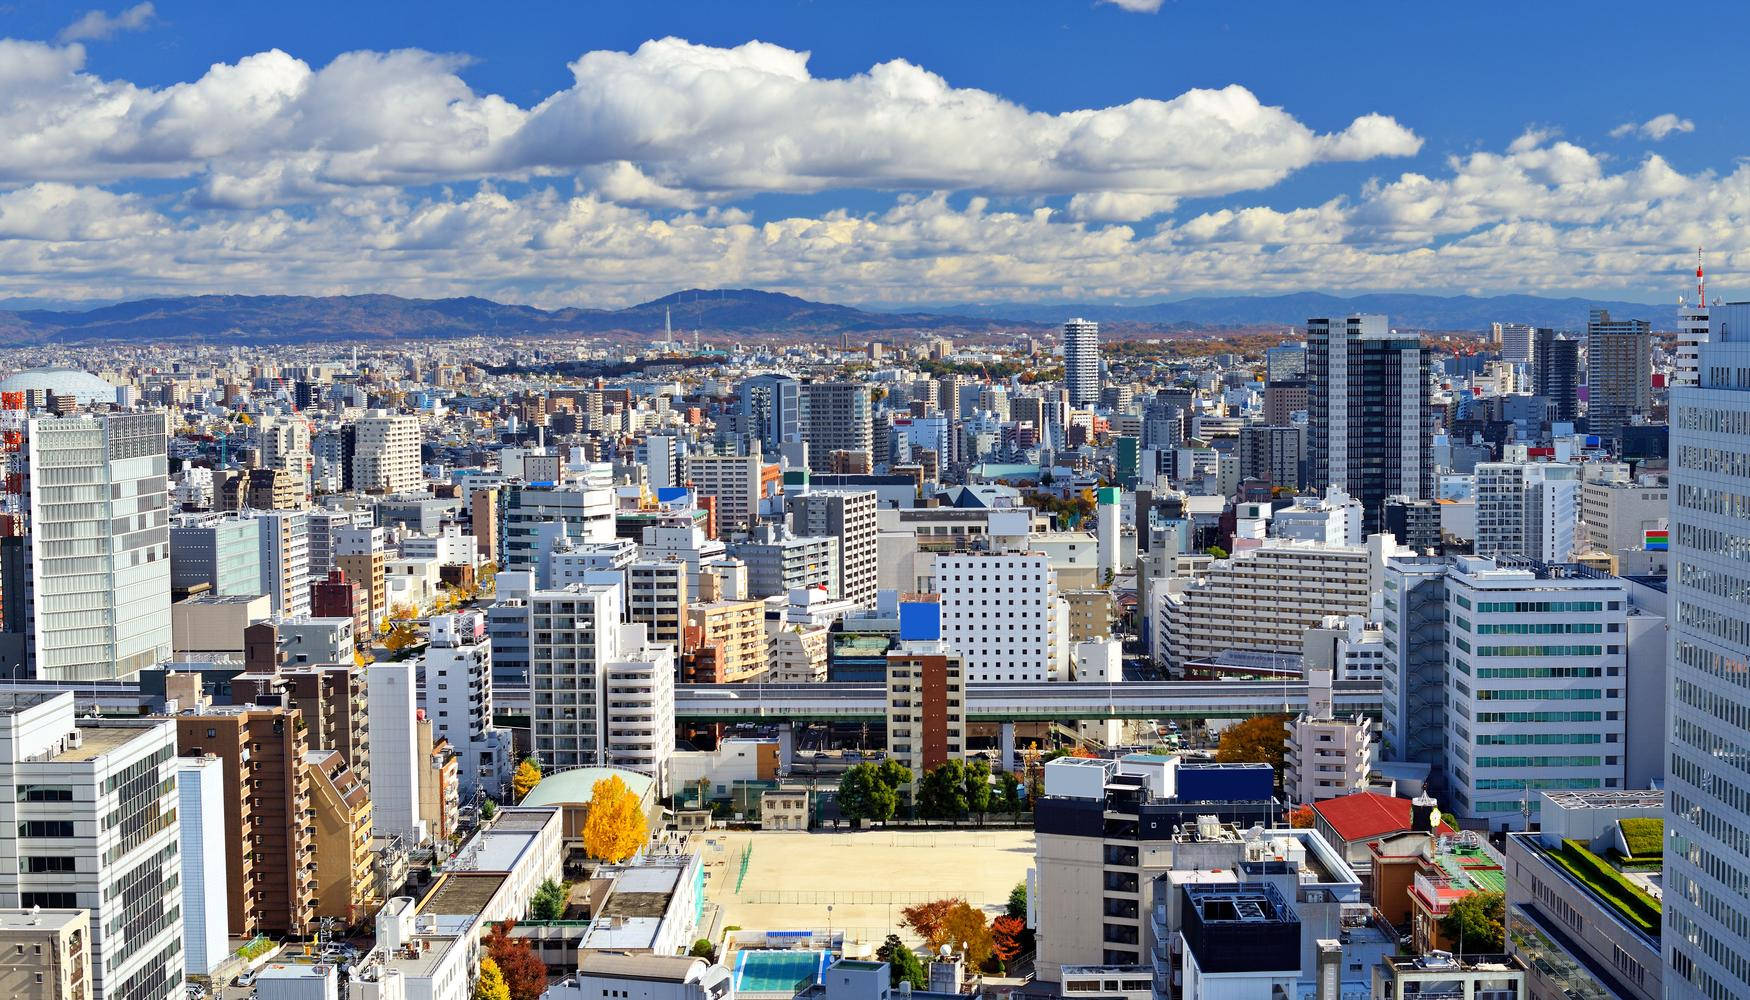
<point>1001,613</point>
<point>95,585</point>
<point>385,457</point>
<point>1527,509</point>
<point>1334,519</point>
<point>391,700</point>
<point>93,825</point>
<point>200,817</point>
<point>1707,792</point>
<point>284,443</point>
<point>1537,664</point>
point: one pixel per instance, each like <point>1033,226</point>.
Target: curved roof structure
<point>577,785</point>
<point>83,386</point>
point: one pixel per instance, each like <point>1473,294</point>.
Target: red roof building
<point>1349,822</point>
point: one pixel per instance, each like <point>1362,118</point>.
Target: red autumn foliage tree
<point>1005,934</point>
<point>524,972</point>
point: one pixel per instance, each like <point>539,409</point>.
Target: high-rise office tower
<point>386,456</point>
<point>93,825</point>
<point>1619,372</point>
<point>1081,361</point>
<point>94,574</point>
<point>849,517</point>
<point>1370,426</point>
<point>1555,367</point>
<point>1001,613</point>
<point>1527,509</point>
<point>1707,792</point>
<point>1691,332</point>
<point>771,410</point>
<point>1284,363</point>
<point>1516,341</point>
<point>836,416</point>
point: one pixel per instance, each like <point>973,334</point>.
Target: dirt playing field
<point>858,882</point>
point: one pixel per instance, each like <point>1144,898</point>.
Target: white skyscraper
<point>96,576</point>
<point>1707,941</point>
<point>1516,342</point>
<point>573,636</point>
<point>1081,361</point>
<point>92,824</point>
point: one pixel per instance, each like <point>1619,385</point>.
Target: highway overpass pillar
<point>786,747</point>
<point>1006,746</point>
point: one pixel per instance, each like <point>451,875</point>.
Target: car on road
<point>246,979</point>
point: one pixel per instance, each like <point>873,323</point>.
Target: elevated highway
<point>1020,702</point>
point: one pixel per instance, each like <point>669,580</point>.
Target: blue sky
<point>1559,148</point>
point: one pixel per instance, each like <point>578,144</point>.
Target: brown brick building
<point>270,853</point>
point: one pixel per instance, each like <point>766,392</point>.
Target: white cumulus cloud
<point>1136,6</point>
<point>1655,128</point>
<point>96,25</point>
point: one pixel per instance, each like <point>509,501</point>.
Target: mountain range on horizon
<point>266,319</point>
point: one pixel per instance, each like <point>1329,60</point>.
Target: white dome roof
<point>83,386</point>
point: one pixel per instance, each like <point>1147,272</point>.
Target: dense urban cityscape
<point>735,645</point>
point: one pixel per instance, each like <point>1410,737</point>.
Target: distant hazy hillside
<point>293,318</point>
<point>290,318</point>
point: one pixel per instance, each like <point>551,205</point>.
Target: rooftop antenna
<point>667,327</point>
<point>1700,284</point>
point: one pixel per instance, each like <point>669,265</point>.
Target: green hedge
<point>1645,836</point>
<point>1640,908</point>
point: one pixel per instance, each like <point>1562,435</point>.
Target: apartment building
<point>926,705</point>
<point>285,560</point>
<point>45,954</point>
<point>269,854</point>
<point>851,518</point>
<point>455,691</point>
<point>573,636</point>
<point>836,417</point>
<point>362,554</point>
<point>340,815</point>
<point>656,597</point>
<point>736,482</point>
<point>778,560</point>
<point>385,456</point>
<point>94,828</point>
<point>735,632</point>
<point>1324,756</point>
<point>639,702</point>
<point>1261,599</point>
<point>1527,509</point>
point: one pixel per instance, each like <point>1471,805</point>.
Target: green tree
<point>702,949</point>
<point>864,795</point>
<point>942,792</point>
<point>903,965</point>
<point>488,809</point>
<point>895,775</point>
<point>1217,552</point>
<point>1017,907</point>
<point>1473,924</point>
<point>1009,793</point>
<point>978,787</point>
<point>490,984</point>
<point>549,901</point>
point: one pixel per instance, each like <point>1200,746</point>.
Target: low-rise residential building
<point>45,954</point>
